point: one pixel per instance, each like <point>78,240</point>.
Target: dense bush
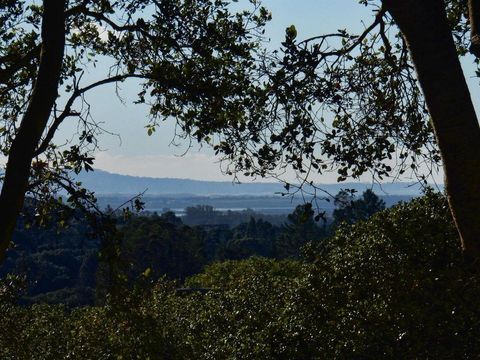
<point>397,286</point>
<point>394,287</point>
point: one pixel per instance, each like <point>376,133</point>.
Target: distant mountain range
<point>105,183</point>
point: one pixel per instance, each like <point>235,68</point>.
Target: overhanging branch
<point>358,40</point>
<point>67,112</point>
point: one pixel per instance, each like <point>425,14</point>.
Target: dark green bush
<point>394,286</point>
<point>397,286</point>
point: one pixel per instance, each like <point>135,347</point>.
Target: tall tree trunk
<point>474,16</point>
<point>34,121</point>
<point>425,28</point>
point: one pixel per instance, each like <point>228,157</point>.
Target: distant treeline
<point>260,204</point>
<point>208,215</point>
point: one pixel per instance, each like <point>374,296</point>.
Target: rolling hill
<point>105,183</point>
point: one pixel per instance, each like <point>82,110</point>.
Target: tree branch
<point>358,39</point>
<point>82,9</point>
<point>68,107</point>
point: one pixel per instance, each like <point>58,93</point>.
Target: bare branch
<point>358,40</point>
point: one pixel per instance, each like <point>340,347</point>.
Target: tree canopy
<point>193,61</point>
<point>394,286</point>
<point>350,210</point>
<point>386,101</point>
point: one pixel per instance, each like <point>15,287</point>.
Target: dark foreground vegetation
<point>393,286</point>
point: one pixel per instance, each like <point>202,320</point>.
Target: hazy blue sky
<point>138,154</point>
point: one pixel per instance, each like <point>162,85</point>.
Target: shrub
<point>397,286</point>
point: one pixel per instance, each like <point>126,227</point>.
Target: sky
<point>130,151</point>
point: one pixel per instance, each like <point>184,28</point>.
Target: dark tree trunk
<point>425,28</point>
<point>474,16</point>
<point>34,121</point>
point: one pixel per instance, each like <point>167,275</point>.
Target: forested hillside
<point>63,265</point>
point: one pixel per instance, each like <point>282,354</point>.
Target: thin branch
<point>67,185</point>
<point>358,39</point>
<point>129,201</point>
<point>82,9</point>
<point>67,112</point>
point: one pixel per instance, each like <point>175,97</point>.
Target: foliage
<point>350,210</point>
<point>340,101</point>
<point>62,265</point>
<point>202,64</point>
<point>256,237</point>
<point>228,274</point>
<point>395,286</point>
<point>164,248</point>
<point>300,229</point>
<point>59,264</point>
<point>192,61</point>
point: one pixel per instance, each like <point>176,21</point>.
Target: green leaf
<point>291,32</point>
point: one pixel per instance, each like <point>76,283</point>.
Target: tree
<point>448,99</point>
<point>426,30</point>
<point>350,210</point>
<point>384,101</point>
<point>397,98</point>
<point>192,60</point>
<point>299,230</point>
<point>163,248</point>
